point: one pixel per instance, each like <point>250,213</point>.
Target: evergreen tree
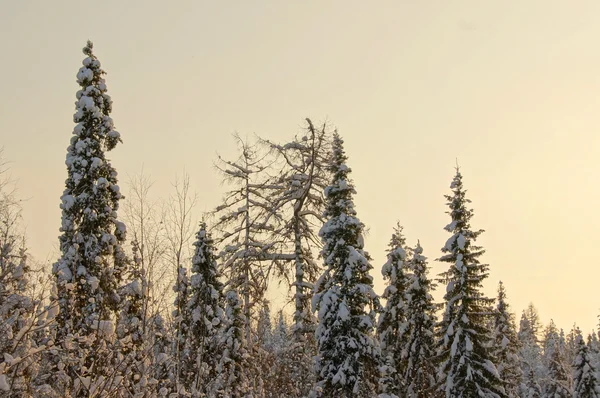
<point>419,351</point>
<point>585,383</point>
<point>207,315</point>
<point>392,328</point>
<point>557,382</point>
<point>182,322</point>
<point>347,355</point>
<point>550,342</point>
<point>264,328</point>
<point>570,345</point>
<point>92,262</point>
<point>530,352</point>
<point>232,379</point>
<point>530,326</point>
<point>281,380</point>
<point>532,388</point>
<point>466,366</point>
<point>506,346</point>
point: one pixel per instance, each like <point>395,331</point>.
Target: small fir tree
<point>506,346</point>
<point>182,322</point>
<point>206,312</point>
<point>419,350</point>
<point>232,378</point>
<point>392,328</point>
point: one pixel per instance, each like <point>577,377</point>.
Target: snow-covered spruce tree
<point>530,351</point>
<point>532,388</point>
<point>550,342</point>
<point>232,371</point>
<point>89,271</point>
<point>570,344</point>
<point>207,316</point>
<point>348,354</point>
<point>557,383</point>
<point>419,351</point>
<point>392,326</point>
<point>244,221</point>
<point>506,346</point>
<point>585,383</point>
<point>281,381</point>
<point>466,368</point>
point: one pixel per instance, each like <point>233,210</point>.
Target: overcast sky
<point>509,88</point>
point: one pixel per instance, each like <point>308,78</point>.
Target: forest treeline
<point>152,305</point>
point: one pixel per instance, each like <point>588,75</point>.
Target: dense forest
<point>143,303</point>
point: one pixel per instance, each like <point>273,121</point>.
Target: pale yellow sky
<point>510,88</point>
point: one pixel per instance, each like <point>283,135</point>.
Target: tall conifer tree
<point>348,354</point>
<point>466,368</point>
<point>89,271</point>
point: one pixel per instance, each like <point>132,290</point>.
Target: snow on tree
<point>392,327</point>
<point>130,327</point>
<point>569,344</point>
<point>550,341</point>
<point>532,388</point>
<point>17,308</point>
<point>557,384</point>
<point>244,221</point>
<point>348,354</point>
<point>264,327</point>
<point>89,271</point>
<point>585,381</point>
<point>145,221</point>
<point>506,346</point>
<point>530,352</point>
<point>419,350</point>
<point>16,317</point>
<point>299,201</point>
<point>162,360</point>
<point>282,380</point>
<point>204,306</point>
<point>182,321</point>
<point>466,368</point>
<point>232,370</point>
<point>529,326</point>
